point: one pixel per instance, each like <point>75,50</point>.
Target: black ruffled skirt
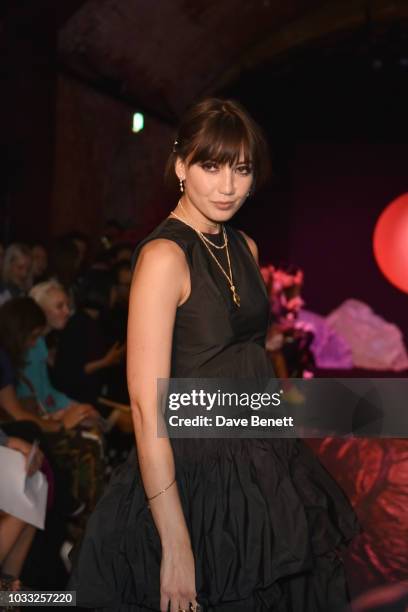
<point>267,522</point>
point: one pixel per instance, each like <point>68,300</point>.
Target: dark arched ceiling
<point>161,54</point>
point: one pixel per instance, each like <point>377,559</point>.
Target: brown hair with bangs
<point>19,317</point>
<point>219,130</point>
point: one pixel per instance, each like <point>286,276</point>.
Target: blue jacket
<point>36,371</point>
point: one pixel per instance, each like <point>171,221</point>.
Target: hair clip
<point>175,145</point>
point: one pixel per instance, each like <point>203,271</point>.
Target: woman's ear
<point>180,168</point>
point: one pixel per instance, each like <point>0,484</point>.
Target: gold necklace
<point>235,295</point>
<point>229,277</point>
<point>204,238</point>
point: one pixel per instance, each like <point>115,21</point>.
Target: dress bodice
<point>210,331</point>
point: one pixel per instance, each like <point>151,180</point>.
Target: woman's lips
<point>224,205</point>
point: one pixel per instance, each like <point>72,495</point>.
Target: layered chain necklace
<point>208,244</point>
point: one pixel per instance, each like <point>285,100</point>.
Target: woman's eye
<point>244,169</point>
<point>210,166</point>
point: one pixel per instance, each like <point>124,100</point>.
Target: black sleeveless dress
<point>266,519</point>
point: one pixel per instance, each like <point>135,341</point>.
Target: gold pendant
<point>235,296</point>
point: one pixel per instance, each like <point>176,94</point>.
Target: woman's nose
<point>226,185</point>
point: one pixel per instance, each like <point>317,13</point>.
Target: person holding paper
<point>16,536</point>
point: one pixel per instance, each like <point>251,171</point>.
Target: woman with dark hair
<point>237,523</point>
<point>22,324</point>
<point>81,241</point>
<point>39,255</point>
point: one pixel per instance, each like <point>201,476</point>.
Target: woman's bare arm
<point>113,356</point>
<point>161,282</point>
<point>67,418</point>
<point>12,405</point>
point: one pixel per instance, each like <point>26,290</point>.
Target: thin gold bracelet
<point>160,492</point>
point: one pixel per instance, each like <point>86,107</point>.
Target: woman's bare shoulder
<point>161,279</point>
<point>161,253</point>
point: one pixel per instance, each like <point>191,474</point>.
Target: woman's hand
<point>177,579</point>
<point>25,448</point>
<point>57,415</point>
<point>93,419</point>
<point>50,425</point>
<point>114,355</point>
<point>91,412</point>
<point>74,414</point>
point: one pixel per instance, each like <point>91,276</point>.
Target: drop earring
<point>181,185</point>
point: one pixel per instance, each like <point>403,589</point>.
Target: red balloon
<point>390,242</point>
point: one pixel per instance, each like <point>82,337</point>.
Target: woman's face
<point>20,270</point>
<point>40,260</point>
<point>217,191</point>
<point>56,309</point>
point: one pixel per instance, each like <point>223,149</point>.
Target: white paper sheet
<point>20,495</point>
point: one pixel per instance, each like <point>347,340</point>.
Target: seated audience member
<point>16,536</point>
<point>77,342</point>
<point>81,241</point>
<point>74,449</point>
<point>21,325</point>
<point>16,273</point>
<point>39,266</point>
<point>65,265</point>
<point>121,251</point>
<point>43,567</point>
<point>34,378</point>
<point>83,353</point>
